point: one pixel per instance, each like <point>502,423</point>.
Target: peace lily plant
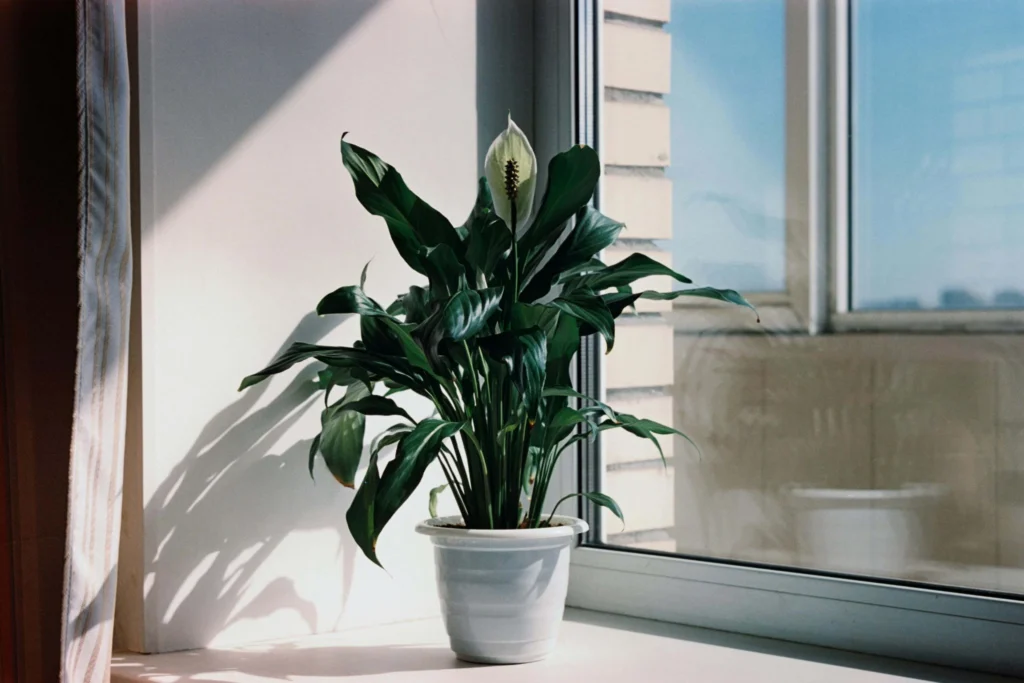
<point>489,339</point>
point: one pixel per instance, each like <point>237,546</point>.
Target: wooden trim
<point>8,632</point>
<point>8,560</point>
<point>39,271</point>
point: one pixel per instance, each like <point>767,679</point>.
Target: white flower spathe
<point>511,171</point>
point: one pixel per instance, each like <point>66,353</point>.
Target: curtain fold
<point>97,444</point>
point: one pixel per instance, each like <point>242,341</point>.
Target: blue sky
<point>938,176</point>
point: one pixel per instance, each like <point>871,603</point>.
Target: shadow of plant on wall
<point>198,577</point>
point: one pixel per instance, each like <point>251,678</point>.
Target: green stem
<point>453,483</point>
<point>479,420</point>
<point>483,469</point>
<point>560,501</point>
<point>515,256</point>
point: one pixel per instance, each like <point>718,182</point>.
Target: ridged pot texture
<point>502,591</point>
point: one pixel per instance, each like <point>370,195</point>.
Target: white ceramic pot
<point>863,531</point>
<point>502,591</point>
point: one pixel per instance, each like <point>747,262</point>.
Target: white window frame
<point>967,629</point>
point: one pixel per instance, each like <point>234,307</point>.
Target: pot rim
<point>906,492</point>
<point>567,526</point>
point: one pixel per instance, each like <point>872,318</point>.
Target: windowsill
<point>593,647</point>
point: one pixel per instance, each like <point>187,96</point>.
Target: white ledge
<point>593,647</point>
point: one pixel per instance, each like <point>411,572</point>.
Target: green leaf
<point>572,177</point>
<point>562,425</point>
<point>593,232</point>
<point>591,310</point>
<point>598,498</point>
<point>413,223</point>
<point>341,436</point>
<point>434,493</point>
<point>412,350</point>
<point>466,314</point>
<point>379,496</point>
<point>562,333</point>
<point>532,365</point>
<point>375,366</point>
<point>403,474</point>
<point>483,208</point>
<point>350,299</point>
<point>590,266</point>
<point>627,271</point>
<point>446,273</point>
<point>331,377</point>
<point>605,501</point>
<point>296,353</point>
<point>570,392</point>
<point>563,344</point>
<point>729,296</point>
<point>362,276</point>
<point>364,365</point>
<point>487,245</point>
<point>416,304</point>
<point>618,301</point>
<point>314,448</point>
<point>646,429</point>
<point>360,514</point>
<point>525,354</point>
<point>377,405</point>
<point>377,335</point>
<point>525,316</point>
<point>392,434</point>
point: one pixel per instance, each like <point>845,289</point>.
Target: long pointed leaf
<point>445,271</point>
<point>593,232</point>
<point>413,351</point>
<point>341,436</point>
<point>524,352</point>
<point>413,223</point>
<point>403,474</point>
<point>483,207</point>
<point>296,353</point>
<point>377,405</point>
<point>605,501</point>
<point>591,310</point>
<point>360,514</point>
<point>487,245</point>
<point>627,271</point>
<point>729,296</point>
<point>467,313</point>
<point>314,448</point>
<point>350,299</point>
<point>572,177</point>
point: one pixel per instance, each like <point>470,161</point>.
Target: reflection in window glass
<point>938,154</point>
<point>884,455</point>
<point>728,142</point>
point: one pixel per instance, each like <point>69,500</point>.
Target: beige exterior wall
<point>638,375</point>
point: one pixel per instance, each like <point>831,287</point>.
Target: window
<point>855,169</point>
<point>938,154</point>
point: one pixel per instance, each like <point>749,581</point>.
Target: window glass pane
<point>886,455</point>
<point>727,116</point>
<point>938,154</point>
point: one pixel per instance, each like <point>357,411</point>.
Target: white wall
<point>247,218</point>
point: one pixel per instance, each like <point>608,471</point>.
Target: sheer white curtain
<point>105,275</point>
